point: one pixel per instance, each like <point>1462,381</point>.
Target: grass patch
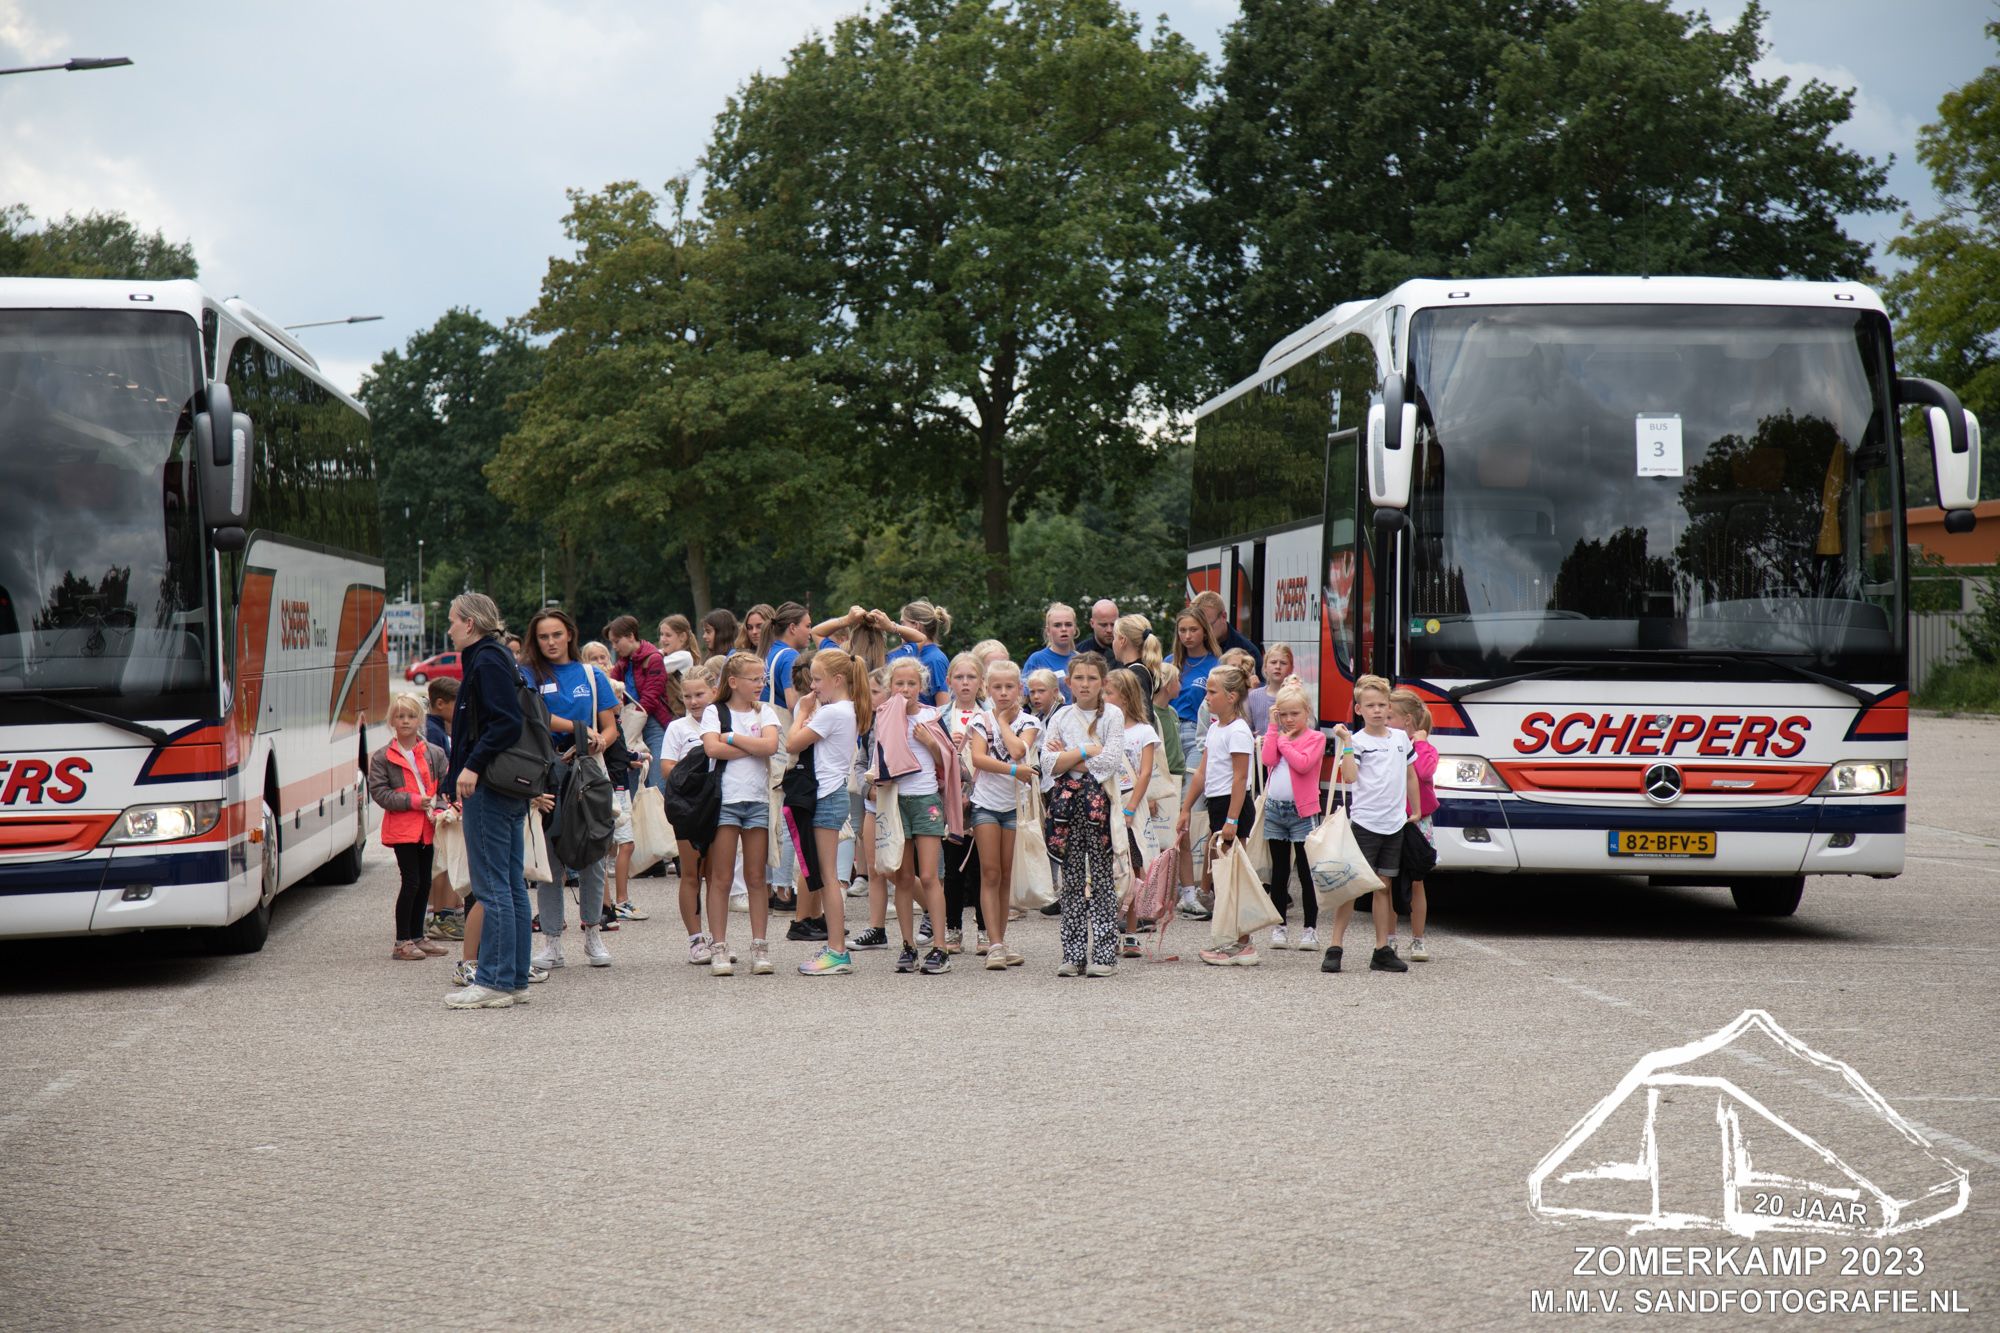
<point>1962,687</point>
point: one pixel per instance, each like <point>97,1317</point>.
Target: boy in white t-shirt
<point>1376,762</point>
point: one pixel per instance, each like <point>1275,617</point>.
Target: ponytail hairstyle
<point>478,610</point>
<point>1125,690</point>
<point>721,623</point>
<point>1208,645</point>
<point>853,673</point>
<point>776,623</point>
<point>934,621</point>
<point>1232,682</point>
<point>705,673</point>
<point>744,643</point>
<point>870,645</point>
<point>1092,661</point>
<point>1138,631</point>
<point>1407,703</point>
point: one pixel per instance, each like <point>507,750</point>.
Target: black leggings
<point>413,863</point>
<point>960,873</point>
<point>1281,882</point>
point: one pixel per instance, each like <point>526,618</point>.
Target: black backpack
<point>694,798</point>
<point>522,769</point>
<point>580,827</point>
<point>800,785</point>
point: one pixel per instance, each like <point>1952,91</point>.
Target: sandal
<point>431,948</point>
<point>408,951</point>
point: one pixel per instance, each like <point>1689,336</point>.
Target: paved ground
<point>306,1138</point>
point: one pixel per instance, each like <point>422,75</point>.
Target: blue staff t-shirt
<point>778,673</point>
<point>1194,686</point>
<point>1053,661</point>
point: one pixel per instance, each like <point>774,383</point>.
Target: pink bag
<point>1156,900</point>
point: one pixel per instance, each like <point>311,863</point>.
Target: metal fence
<point>1934,642</point>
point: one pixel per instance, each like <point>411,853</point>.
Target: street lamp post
<point>74,66</point>
<point>423,607</point>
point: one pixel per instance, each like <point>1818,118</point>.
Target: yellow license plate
<point>1627,842</point>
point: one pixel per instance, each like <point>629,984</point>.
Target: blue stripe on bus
<point>207,867</point>
<point>1839,816</point>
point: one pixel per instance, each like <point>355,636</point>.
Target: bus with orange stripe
<point>1638,541</point>
<point>191,614</point>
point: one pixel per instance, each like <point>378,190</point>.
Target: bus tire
<point>248,933</point>
<point>1768,897</point>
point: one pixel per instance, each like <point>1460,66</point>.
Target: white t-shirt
<point>833,753</point>
<point>749,778</point>
<point>997,791</point>
<point>1278,783</point>
<point>1139,735</point>
<point>923,779</point>
<point>1225,740</point>
<point>1382,785</point>
<point>682,739</point>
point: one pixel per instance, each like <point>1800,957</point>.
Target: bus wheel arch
<point>248,932</point>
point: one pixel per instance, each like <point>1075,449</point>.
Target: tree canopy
<point>95,245</point>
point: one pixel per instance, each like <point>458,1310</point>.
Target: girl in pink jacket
<point>1292,754</point>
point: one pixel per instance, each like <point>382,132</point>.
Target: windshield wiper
<point>1457,692</point>
<point>1792,668</point>
<point>153,734</point>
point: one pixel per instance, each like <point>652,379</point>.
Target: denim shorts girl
<point>1284,823</point>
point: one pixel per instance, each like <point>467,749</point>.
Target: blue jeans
<point>495,857</point>
<point>655,737</point>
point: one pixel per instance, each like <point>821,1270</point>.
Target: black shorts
<point>1383,850</point>
<point>1218,814</point>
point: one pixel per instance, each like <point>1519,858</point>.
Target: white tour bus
<point>1639,542</point>
<point>191,646</point>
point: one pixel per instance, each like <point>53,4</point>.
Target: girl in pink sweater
<point>1408,714</point>
<point>1292,754</point>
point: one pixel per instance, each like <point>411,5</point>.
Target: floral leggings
<point>1088,920</point>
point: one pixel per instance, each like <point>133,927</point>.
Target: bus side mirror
<point>1392,451</point>
<point>1955,445</point>
<point>223,441</point>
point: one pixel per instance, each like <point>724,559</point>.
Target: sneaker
<point>1231,955</point>
<point>1014,958</point>
<point>535,924</point>
<point>1309,938</point>
<point>1331,962</point>
<point>760,959</point>
<point>872,938</point>
<point>996,958</point>
<point>408,951</point>
<point>906,961</point>
<point>859,887</point>
<point>607,920</point>
<point>446,926</point>
<point>478,997</point>
<point>1191,907</point>
<point>628,911</point>
<point>935,962</point>
<point>1128,947</point>
<point>924,935</point>
<point>1101,970</point>
<point>1069,969</point>
<point>782,904</point>
<point>721,959</point>
<point>1053,909</point>
<point>549,955</point>
<point>827,963</point>
<point>698,948</point>
<point>1384,960</point>
<point>594,951</point>
<point>807,929</point>
<point>1278,937</point>
<point>984,944</point>
<point>954,941</point>
<point>521,996</point>
<point>463,973</point>
<point>739,902</point>
<point>1419,951</point>
<point>537,975</point>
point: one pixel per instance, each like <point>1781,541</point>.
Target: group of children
<point>939,771</point>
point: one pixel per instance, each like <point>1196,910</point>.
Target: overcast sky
<point>398,159</point>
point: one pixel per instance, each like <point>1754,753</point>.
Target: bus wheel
<point>346,868</point>
<point>1768,897</point>
<point>247,935</point>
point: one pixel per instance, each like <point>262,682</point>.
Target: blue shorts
<point>1284,823</point>
<point>831,811</point>
<point>997,818</point>
<point>744,814</point>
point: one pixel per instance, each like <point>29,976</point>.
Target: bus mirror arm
<point>1955,447</point>
<point>223,441</point>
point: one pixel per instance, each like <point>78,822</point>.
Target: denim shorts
<point>744,814</point>
<point>831,811</point>
<point>1284,823</point>
<point>923,816</point>
<point>998,818</point>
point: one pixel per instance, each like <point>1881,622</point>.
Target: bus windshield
<point>102,558</point>
<point>1716,485</point>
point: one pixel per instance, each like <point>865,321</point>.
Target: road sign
<point>403,620</point>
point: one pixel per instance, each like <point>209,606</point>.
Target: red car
<point>437,664</point>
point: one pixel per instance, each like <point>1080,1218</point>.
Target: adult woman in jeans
<point>583,718</point>
<point>486,721</point>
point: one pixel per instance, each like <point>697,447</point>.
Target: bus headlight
<point>1861,777</point>
<point>1467,772</point>
<point>163,823</point>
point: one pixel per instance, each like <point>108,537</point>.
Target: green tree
<point>1947,301</point>
<point>1357,145</point>
<point>966,211</point>
<point>654,422</point>
<point>439,408</point>
<point>95,245</point>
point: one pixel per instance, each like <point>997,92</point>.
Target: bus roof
<point>1422,293</point>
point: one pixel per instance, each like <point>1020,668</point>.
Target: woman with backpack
<point>583,718</point>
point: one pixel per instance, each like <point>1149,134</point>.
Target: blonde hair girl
<point>920,803</point>
<point>829,718</point>
<point>742,734</point>
<point>698,687</point>
<point>1222,778</point>
<point>1000,741</point>
<point>1044,692</point>
<point>1293,751</point>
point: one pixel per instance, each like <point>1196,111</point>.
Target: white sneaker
<point>1419,951</point>
<point>1278,937</point>
<point>698,949</point>
<point>548,954</point>
<point>924,931</point>
<point>1309,938</point>
<point>478,997</point>
<point>760,959</point>
<point>463,973</point>
<point>859,888</point>
<point>594,951</point>
<point>739,902</point>
<point>721,960</point>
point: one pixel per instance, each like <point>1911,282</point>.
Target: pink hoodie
<point>1302,753</point>
<point>1426,764</point>
<point>896,755</point>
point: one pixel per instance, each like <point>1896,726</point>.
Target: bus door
<point>1243,588</point>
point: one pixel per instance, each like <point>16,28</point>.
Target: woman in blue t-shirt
<point>1195,656</point>
<point>583,717</point>
<point>786,635</point>
<point>923,628</point>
